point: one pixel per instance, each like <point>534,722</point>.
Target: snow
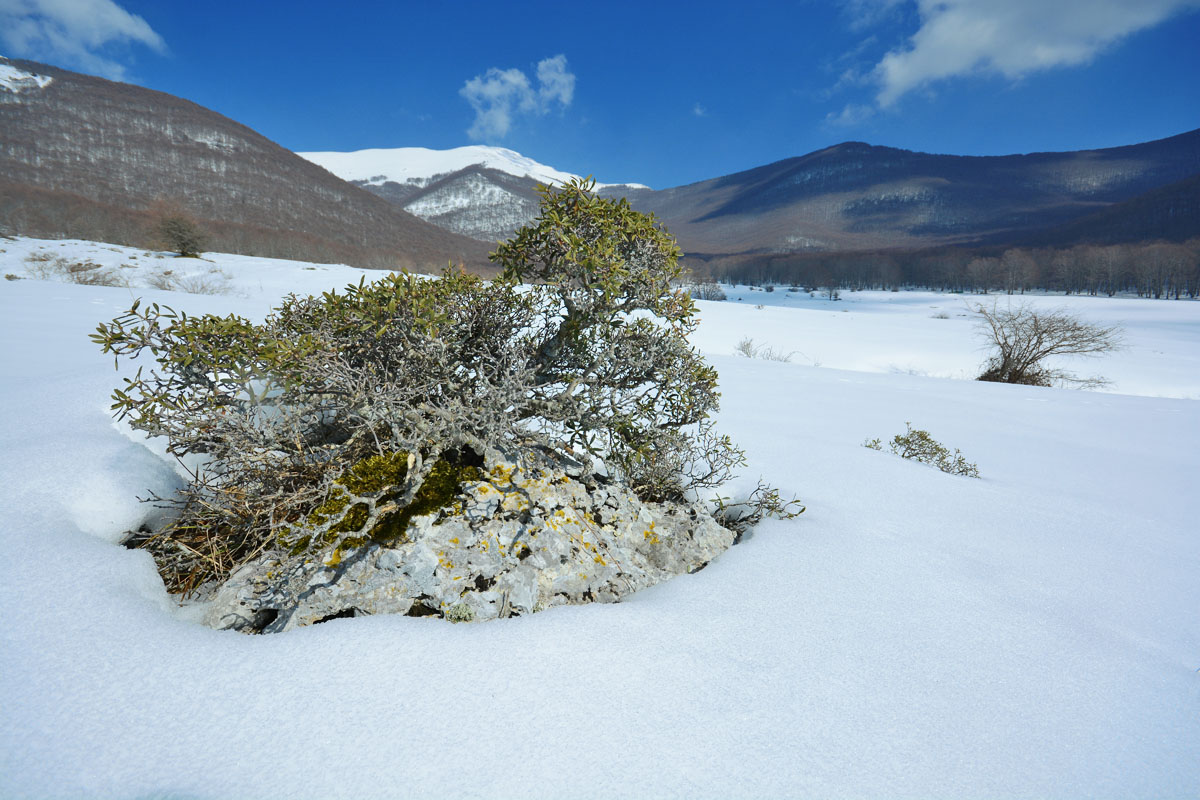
<point>905,332</point>
<point>482,194</point>
<point>421,165</point>
<point>1032,633</point>
<point>17,80</point>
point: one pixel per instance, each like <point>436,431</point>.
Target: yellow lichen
<point>385,475</point>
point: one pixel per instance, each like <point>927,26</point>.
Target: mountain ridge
<point>852,195</point>
<point>859,196</point>
<point>423,164</point>
<point>84,156</point>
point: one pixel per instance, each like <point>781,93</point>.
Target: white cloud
<point>1010,38</point>
<point>868,13</point>
<point>499,95</point>
<point>699,110</point>
<point>554,82</point>
<point>853,114</point>
<point>73,32</point>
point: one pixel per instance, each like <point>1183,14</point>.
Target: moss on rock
<point>384,476</point>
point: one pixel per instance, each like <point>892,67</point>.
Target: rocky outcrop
<point>521,540</point>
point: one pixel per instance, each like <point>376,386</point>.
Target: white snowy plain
<point>1034,633</point>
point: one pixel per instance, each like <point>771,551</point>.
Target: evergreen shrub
<point>336,418</point>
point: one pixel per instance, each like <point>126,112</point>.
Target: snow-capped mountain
<point>421,166</point>
<point>482,192</point>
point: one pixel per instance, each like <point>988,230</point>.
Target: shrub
<point>612,364</point>
<point>919,446</point>
<point>214,281</point>
<point>765,501</point>
<point>44,266</point>
<point>1023,339</point>
<point>337,413</point>
<point>746,347</point>
<point>706,291</point>
<point>178,232</point>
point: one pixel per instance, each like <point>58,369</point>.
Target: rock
<point>518,541</point>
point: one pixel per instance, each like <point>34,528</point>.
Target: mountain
<point>478,191</point>
<point>420,166</point>
<point>1171,212</point>
<point>856,196</point>
<point>850,197</point>
<point>84,157</point>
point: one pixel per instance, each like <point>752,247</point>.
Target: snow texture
<point>421,165</point>
<point>914,634</point>
<point>17,80</point>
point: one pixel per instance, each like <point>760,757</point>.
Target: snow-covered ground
<point>1033,633</point>
<point>934,334</point>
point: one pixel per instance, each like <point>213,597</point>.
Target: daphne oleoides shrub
<point>918,445</point>
<point>323,426</point>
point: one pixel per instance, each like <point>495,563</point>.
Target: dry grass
<point>215,281</point>
<point>746,347</point>
<point>45,267</point>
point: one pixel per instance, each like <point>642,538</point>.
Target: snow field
<point>1032,633</point>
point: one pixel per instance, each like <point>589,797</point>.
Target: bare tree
<point>1024,339</point>
<point>176,230</point>
<point>705,291</point>
<point>982,273</point>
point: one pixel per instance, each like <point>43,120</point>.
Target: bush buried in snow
<point>334,422</point>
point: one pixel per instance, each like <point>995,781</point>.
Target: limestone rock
<point>518,541</point>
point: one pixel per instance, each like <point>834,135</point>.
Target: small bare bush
<point>207,283</point>
<point>705,291</point>
<point>919,446</point>
<point>45,267</point>
<point>164,280</point>
<point>89,273</point>
<point>1023,339</point>
<point>746,347</point>
<point>212,282</point>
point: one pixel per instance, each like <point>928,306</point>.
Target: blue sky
<point>660,93</point>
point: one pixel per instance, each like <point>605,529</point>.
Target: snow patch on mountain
<point>17,80</point>
<point>420,166</point>
<point>478,193</point>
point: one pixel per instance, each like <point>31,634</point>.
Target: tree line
<point>1161,270</point>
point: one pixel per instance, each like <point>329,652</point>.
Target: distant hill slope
<point>86,157</point>
<point>856,196</point>
<point>478,191</point>
<point>849,197</point>
<point>1171,212</point>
